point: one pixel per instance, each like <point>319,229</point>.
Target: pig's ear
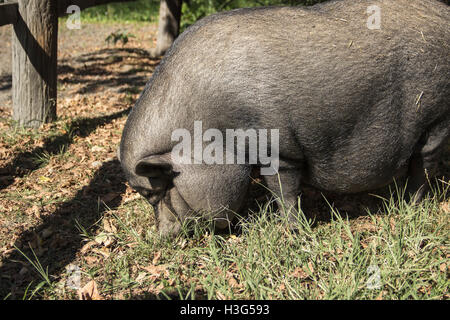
<point>153,167</point>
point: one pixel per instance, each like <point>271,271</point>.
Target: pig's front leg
<point>424,162</point>
<point>286,187</point>
<point>172,210</point>
<point>417,181</point>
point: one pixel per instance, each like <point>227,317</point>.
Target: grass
<point>40,270</point>
<point>399,252</point>
<point>148,10</point>
<point>136,11</point>
<point>75,213</point>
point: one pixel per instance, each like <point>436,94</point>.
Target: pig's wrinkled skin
<point>355,107</point>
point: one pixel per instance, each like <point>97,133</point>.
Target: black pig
<point>357,102</point>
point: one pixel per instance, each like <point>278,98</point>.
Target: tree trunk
<point>34,62</point>
<point>168,26</point>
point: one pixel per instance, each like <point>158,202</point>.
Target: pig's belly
<point>353,178</point>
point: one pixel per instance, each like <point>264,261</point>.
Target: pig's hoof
<point>222,223</point>
<point>292,220</point>
<point>415,197</point>
<point>169,229</point>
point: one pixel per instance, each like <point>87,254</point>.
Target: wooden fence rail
<point>34,50</point>
<point>8,13</point>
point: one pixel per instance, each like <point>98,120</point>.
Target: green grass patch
<point>137,11</point>
<point>148,10</point>
<point>399,252</point>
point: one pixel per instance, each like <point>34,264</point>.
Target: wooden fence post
<point>34,62</point>
<point>168,26</point>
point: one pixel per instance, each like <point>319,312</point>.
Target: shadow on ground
<point>121,69</point>
<point>316,203</point>
<point>23,163</point>
<point>60,248</point>
<point>65,241</point>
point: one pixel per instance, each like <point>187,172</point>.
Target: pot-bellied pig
<point>344,95</point>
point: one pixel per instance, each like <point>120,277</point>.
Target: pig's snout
<point>152,196</point>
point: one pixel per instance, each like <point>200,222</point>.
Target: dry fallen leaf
<point>156,258</point>
<point>87,246</point>
<point>445,206</point>
<point>156,271</point>
<point>232,281</point>
<point>89,292</point>
<point>141,277</point>
<point>299,273</point>
<point>220,296</point>
<point>43,179</point>
<point>91,260</point>
<point>104,239</point>
<point>103,252</point>
<point>34,210</point>
<point>131,198</point>
<point>311,267</point>
<point>97,149</point>
<point>380,296</point>
<point>109,226</point>
<point>68,165</point>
